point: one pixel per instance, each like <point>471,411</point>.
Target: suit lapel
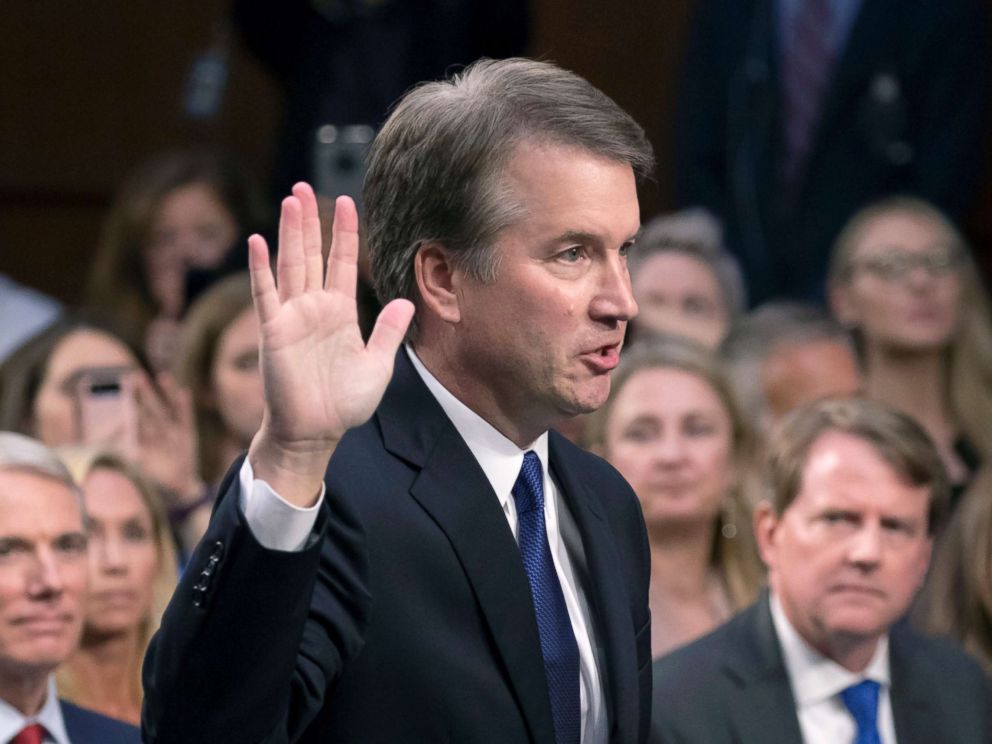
<point>763,708</point>
<point>606,593</point>
<point>912,678</point>
<point>453,489</point>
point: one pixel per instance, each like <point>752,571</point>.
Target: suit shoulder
<point>85,726</point>
<point>697,664</point>
<point>594,469</point>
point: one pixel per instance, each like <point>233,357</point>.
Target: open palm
<point>319,377</point>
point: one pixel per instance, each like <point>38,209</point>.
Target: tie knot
<point>528,491</point>
<point>31,734</point>
<point>862,700</point>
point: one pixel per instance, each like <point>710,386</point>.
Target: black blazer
<point>732,687</point>
<point>411,620</point>
<point>904,112</point>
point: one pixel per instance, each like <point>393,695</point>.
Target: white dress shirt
<point>50,716</point>
<point>278,525</point>
<point>818,681</point>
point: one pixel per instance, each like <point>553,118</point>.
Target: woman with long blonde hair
<point>903,279</point>
<point>674,430</point>
<point>132,575</point>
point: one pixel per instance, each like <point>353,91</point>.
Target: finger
<point>342,263</point>
<point>313,259</point>
<point>265,298</point>
<point>150,412</point>
<point>390,329</point>
<point>178,399</point>
<point>290,260</point>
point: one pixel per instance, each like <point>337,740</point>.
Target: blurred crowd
<point>818,255</point>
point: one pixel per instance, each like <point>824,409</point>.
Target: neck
<point>104,672</point>
<point>914,383</point>
<point>680,559</point>
<point>24,690</point>
<point>521,427</point>
<point>854,654</point>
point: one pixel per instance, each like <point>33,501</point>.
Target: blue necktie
<point>862,700</point>
<point>558,646</point>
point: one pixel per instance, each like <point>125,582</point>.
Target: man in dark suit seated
<point>459,573</point>
<point>43,582</point>
<point>856,491</point>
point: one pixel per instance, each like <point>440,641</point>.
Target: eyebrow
<point>582,236</point>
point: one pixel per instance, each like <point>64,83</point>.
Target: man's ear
<point>765,525</point>
<point>435,274</point>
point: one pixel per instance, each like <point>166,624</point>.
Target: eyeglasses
<point>896,263</point>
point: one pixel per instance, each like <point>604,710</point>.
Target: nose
<point>614,300</point>
<point>670,451</point>
<point>45,580</point>
<point>110,555</point>
<point>866,547</point>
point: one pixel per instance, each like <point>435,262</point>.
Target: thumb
<point>390,328</point>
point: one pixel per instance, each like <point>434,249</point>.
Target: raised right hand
<point>319,377</point>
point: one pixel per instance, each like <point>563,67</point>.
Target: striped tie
<point>806,68</point>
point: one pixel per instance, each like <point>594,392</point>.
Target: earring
<point>728,519</point>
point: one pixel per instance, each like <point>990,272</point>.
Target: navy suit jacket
<point>904,112</point>
<point>87,727</point>
<point>411,620</point>
<point>732,687</point>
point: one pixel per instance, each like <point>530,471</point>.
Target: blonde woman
<point>902,278</point>
<point>132,573</point>
<point>957,599</point>
<point>673,429</point>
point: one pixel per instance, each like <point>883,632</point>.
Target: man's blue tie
<point>862,700</point>
<point>558,646</point>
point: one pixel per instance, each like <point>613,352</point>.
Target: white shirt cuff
<point>275,523</point>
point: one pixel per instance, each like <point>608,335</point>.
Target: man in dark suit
<point>824,656</point>
<point>43,582</point>
<point>459,574</point>
<point>794,114</point>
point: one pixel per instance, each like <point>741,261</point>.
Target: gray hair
<point>19,452</point>
<point>757,335</point>
<point>435,169</point>
<point>698,233</point>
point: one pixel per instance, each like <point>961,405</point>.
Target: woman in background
<point>903,279</point>
<point>673,429</point>
<point>218,364</point>
<point>684,280</point>
<point>174,227</point>
<point>957,598</point>
<point>132,574</point>
<point>78,383</point>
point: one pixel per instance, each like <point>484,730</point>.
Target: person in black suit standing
<point>459,573</point>
<point>43,585</point>
<point>795,114</point>
<point>826,655</point>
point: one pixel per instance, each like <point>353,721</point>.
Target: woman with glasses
<point>901,276</point>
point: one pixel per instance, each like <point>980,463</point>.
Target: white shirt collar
<point>499,457</point>
<point>814,677</point>
<point>50,716</point>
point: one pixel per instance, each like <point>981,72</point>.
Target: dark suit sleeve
<point>951,99</point>
<point>254,638</point>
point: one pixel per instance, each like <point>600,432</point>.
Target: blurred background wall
<point>88,90</point>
